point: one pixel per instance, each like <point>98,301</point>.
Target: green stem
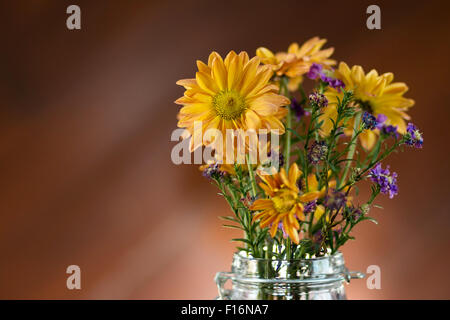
<point>253,184</point>
<point>287,146</point>
<point>252,176</point>
<point>310,223</point>
<point>287,150</point>
<point>231,193</point>
<point>352,148</point>
<point>288,248</point>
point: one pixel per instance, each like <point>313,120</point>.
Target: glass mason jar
<point>320,278</point>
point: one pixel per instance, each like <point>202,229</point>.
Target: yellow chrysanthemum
<point>234,93</point>
<point>377,94</point>
<point>297,60</point>
<point>284,203</point>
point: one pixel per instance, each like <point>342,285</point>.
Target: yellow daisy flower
<point>284,203</point>
<point>231,93</point>
<point>374,93</point>
<point>297,60</point>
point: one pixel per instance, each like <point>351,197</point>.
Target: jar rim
<point>334,255</point>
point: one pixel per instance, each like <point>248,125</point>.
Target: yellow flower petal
<point>219,74</point>
<point>252,120</point>
<point>320,210</point>
<point>368,139</point>
<point>206,83</point>
<point>294,174</point>
<point>309,196</point>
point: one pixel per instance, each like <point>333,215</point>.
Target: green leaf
<point>242,240</point>
<point>370,219</point>
<point>232,227</point>
<point>228,218</point>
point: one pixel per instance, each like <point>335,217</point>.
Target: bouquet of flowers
<point>289,160</point>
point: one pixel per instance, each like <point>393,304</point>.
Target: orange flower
<point>284,203</point>
<point>297,60</point>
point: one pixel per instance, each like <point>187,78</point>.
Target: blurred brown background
<point>85,123</point>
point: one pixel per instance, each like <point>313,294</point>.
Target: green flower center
<point>229,105</point>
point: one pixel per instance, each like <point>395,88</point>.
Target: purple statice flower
<point>385,180</point>
<point>390,130</point>
<point>386,129</point>
<point>381,119</point>
<point>335,200</point>
<point>310,207</point>
<point>318,99</point>
<point>213,171</point>
<point>334,83</point>
<point>298,109</point>
<point>317,152</point>
<point>413,136</point>
<point>315,71</point>
<point>369,121</point>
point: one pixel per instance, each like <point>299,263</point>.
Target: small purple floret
<point>213,171</point>
<point>317,152</point>
<point>369,121</point>
<point>318,99</point>
<point>385,180</point>
<point>413,136</point>
<point>316,71</point>
<point>310,207</point>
